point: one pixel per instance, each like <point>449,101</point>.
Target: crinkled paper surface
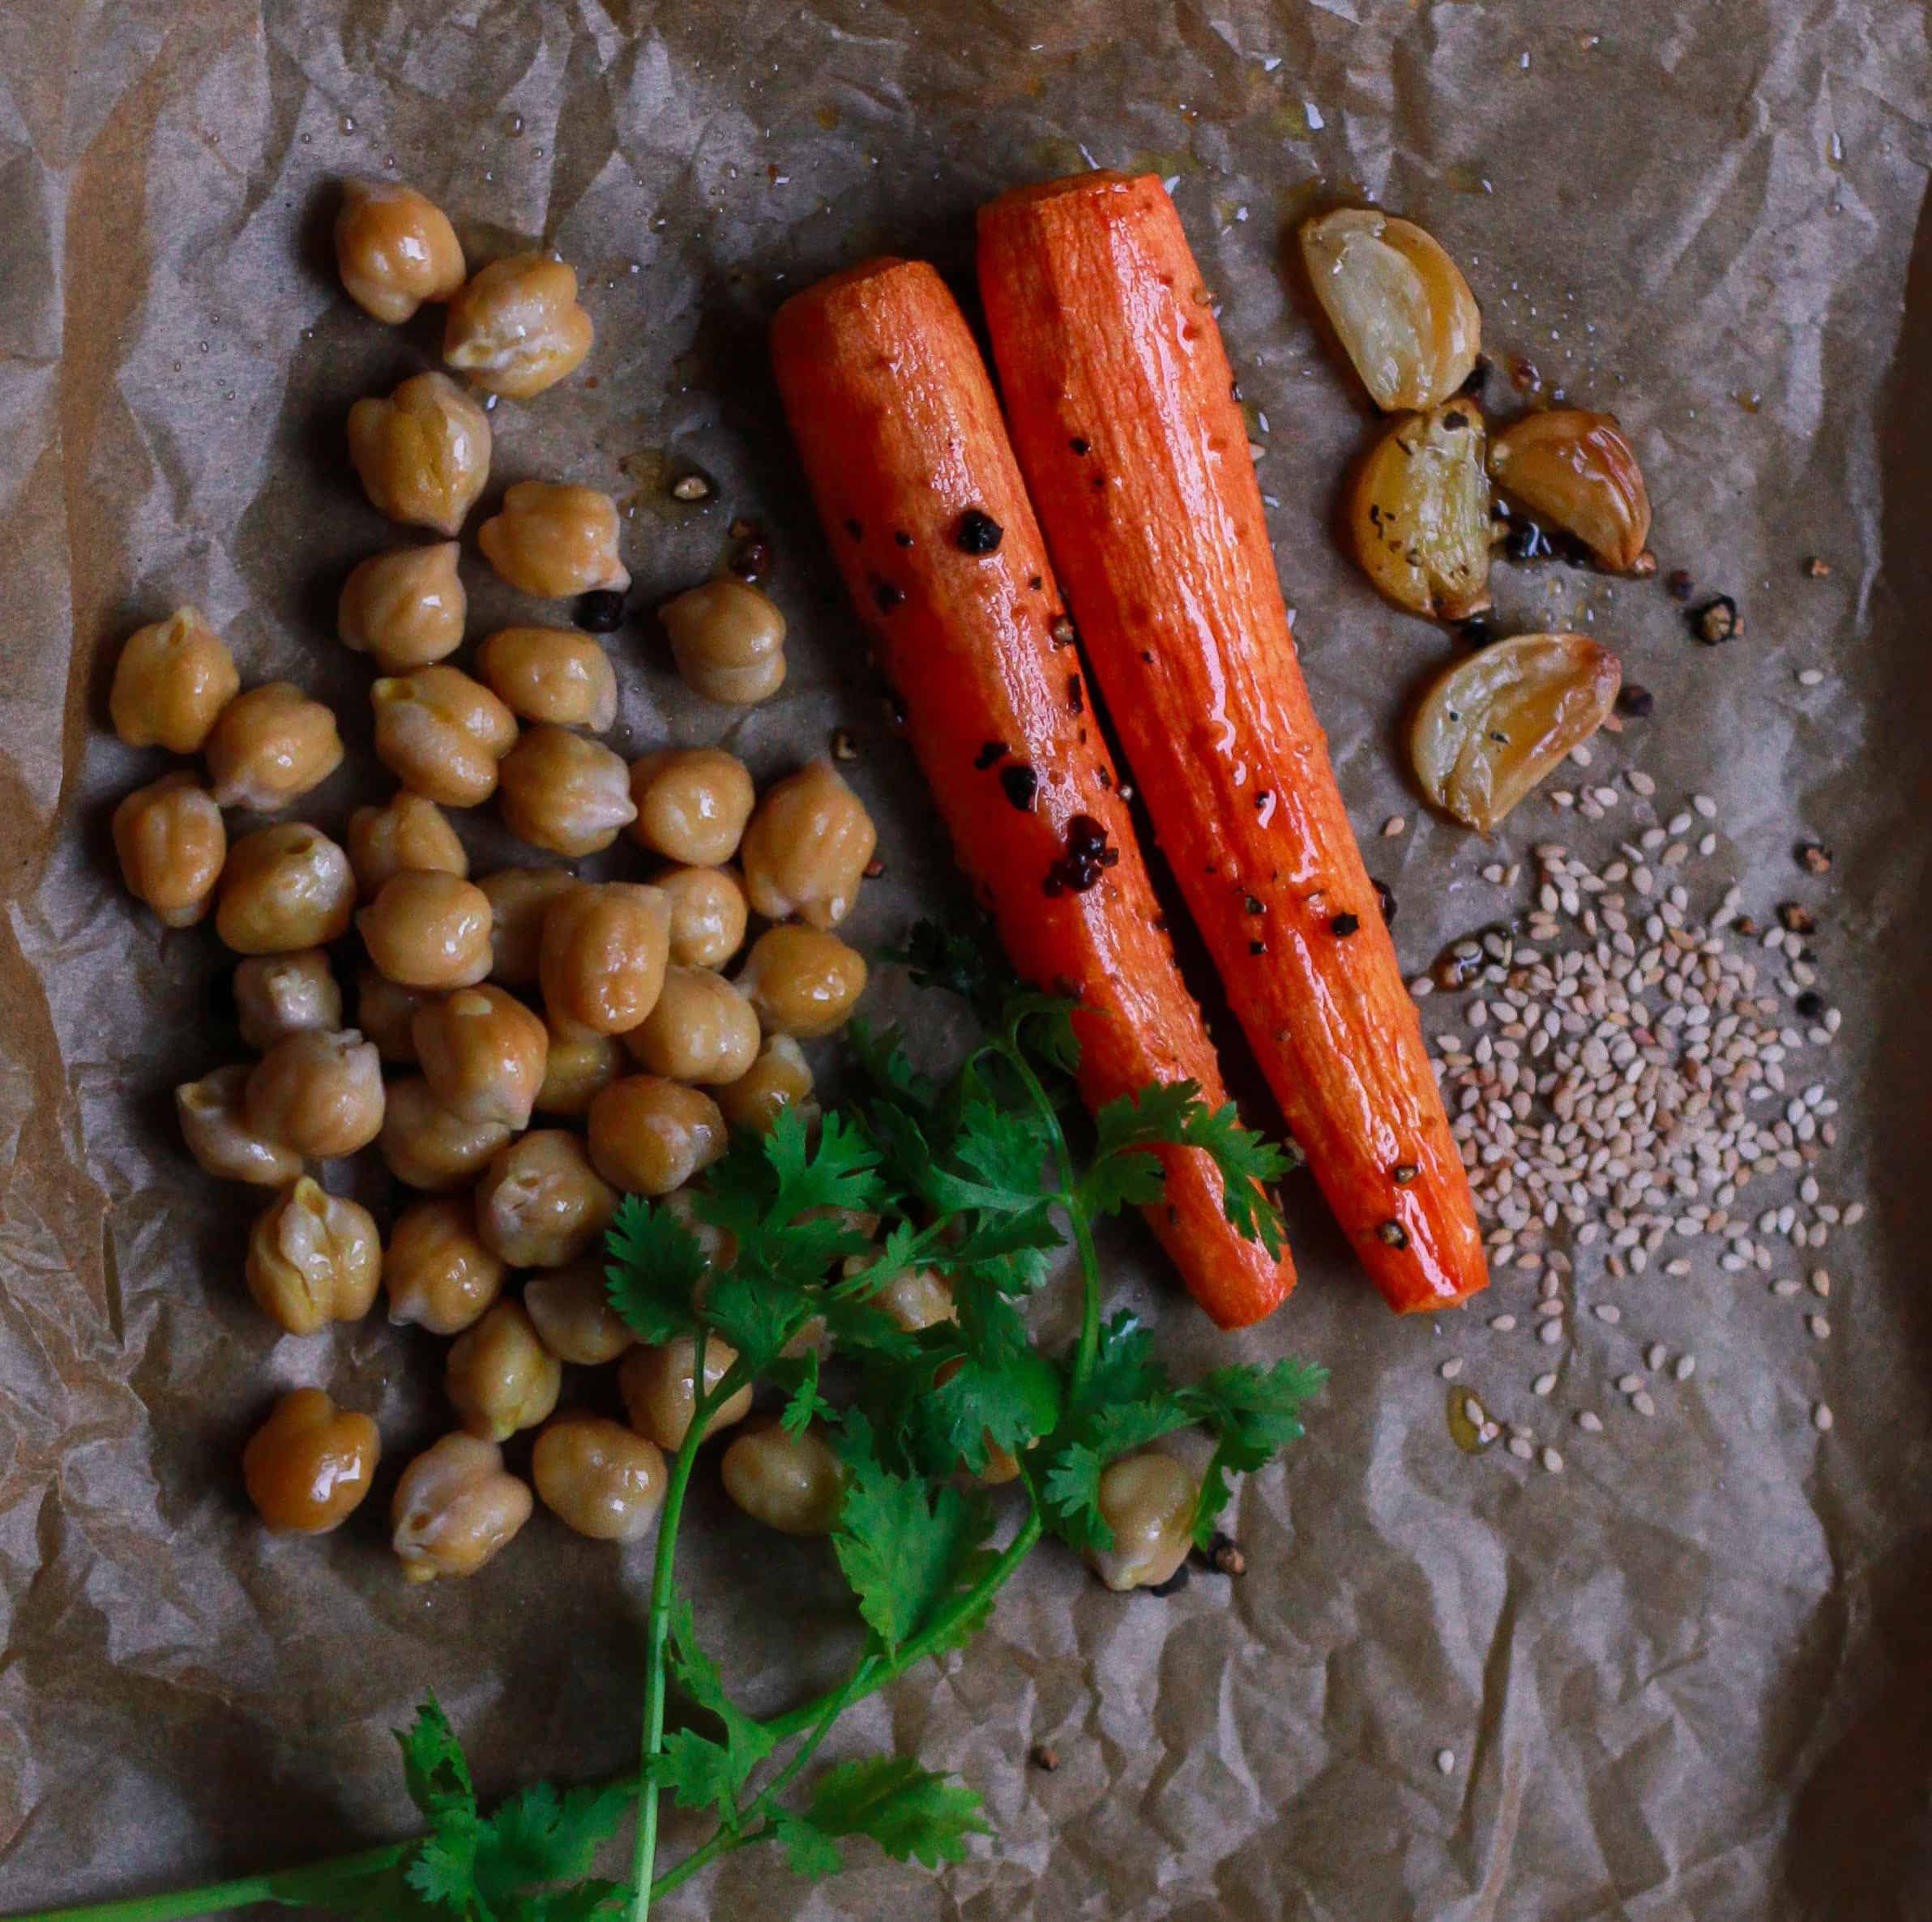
<point>1690,1678</point>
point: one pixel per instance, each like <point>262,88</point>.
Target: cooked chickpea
<point>659,1388</point>
<point>1149,1501</point>
<point>386,1011</point>
<point>808,847</point>
<point>792,1482</point>
<point>320,1093</point>
<point>408,831</point>
<point>580,1062</point>
<point>482,1053</point>
<point>541,1204</point>
<point>649,1135</point>
<point>454,1508</point>
<point>313,1258</point>
<point>518,900</point>
<point>597,1477</point>
<point>500,1376</point>
<point>516,328</point>
<point>436,1272</point>
<point>729,641</point>
<point>708,914</point>
<point>423,454</point>
<point>308,1468</point>
<point>552,674</point>
<point>270,747</point>
<point>572,1311</point>
<point>405,608</point>
<point>603,955</point>
<point>171,843</point>
<point>284,994</point>
<point>779,1078</point>
<point>428,929</point>
<point>283,887</point>
<point>428,1147</point>
<point>919,1298</point>
<point>553,540</point>
<point>442,733</point>
<point>692,804</point>
<point>173,680</point>
<point>564,793</point>
<point>394,249</point>
<point>702,1030</point>
<point>221,1140</point>
<point>802,983</point>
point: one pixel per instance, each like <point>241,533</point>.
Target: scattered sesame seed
<point>1503,1324</point>
<point>1820,1328</point>
<point>1642,1402</point>
<point>1640,783</point>
<point>1590,1424</point>
<point>1451,1368</point>
<point>1821,1417</point>
<point>1445,1760</point>
<point>1653,1356</point>
<point>1686,1367</point>
<point>1811,677</point>
<point>1393,827</point>
<point>1608,1311</point>
<point>1552,1462</point>
<point>1550,1333</point>
<point>1521,1447</point>
<point>1629,1384</point>
<point>1855,1213</point>
<point>1786,1288</point>
<point>1704,805</point>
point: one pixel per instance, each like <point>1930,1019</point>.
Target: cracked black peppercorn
<point>991,751</point>
<point>1344,925</point>
<point>1223,1556</point>
<point>1076,694</point>
<point>885,595</point>
<point>1403,1172</point>
<point>1081,445</point>
<point>1019,783</point>
<point>1717,621</point>
<point>1635,700</point>
<point>902,538</point>
<point>977,533</point>
<point>1810,1003</point>
<point>601,611</point>
<point>1394,1233</point>
<point>1253,905</point>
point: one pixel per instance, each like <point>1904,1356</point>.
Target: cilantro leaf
<point>585,1902</point>
<point>442,1870</point>
<point>1072,1488</point>
<point>791,1202</point>
<point>980,1405</point>
<point>700,1772</point>
<point>912,1813</point>
<point>656,1264</point>
<point>964,960</point>
<point>809,1851</point>
<point>1254,1413</point>
<point>757,1315</point>
<point>878,1055</point>
<point>805,1405</point>
<point>537,1836</point>
<point>433,1766</point>
<point>1125,1369</point>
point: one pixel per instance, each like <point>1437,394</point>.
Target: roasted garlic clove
<point>1502,717</point>
<point>1400,304</point>
<point>1418,513</point>
<point>1576,471</point>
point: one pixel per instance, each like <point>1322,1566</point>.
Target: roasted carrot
<point>1135,451</point>
<point>900,435</point>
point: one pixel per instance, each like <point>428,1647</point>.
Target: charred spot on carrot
<point>885,595</point>
<point>902,538</point>
<point>1344,925</point>
<point>1020,784</point>
<point>1081,445</point>
<point>978,532</point>
<point>991,751</point>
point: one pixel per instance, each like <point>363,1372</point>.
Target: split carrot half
<point>900,432</point>
<point>1121,406</point>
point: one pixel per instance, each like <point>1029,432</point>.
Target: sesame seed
<point>1451,1368</point>
<point>1855,1213</point>
<point>1503,1324</point>
<point>1821,1281</point>
<point>1590,1423</point>
<point>1820,1328</point>
<point>1811,677</point>
<point>1629,1384</point>
<point>1821,1417</point>
<point>1642,1402</point>
<point>1608,1311</point>
<point>1686,1367</point>
<point>1445,1760</point>
<point>1704,805</point>
<point>1521,1447</point>
<point>1786,1288</point>
<point>1552,1462</point>
<point>1653,1356</point>
<point>1393,827</point>
<point>1543,1385</point>
<point>1550,1333</point>
<point>1639,782</point>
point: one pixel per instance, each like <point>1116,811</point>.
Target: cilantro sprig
<point>973,1175</point>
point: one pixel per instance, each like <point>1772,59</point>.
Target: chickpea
<point>284,994</point>
<point>729,641</point>
<point>308,1468</point>
<point>313,1258</point>
<point>661,1393</point>
<point>171,683</point>
<point>518,900</point>
<point>597,1477</point>
<point>702,1030</point>
<point>405,608</point>
<point>552,674</point>
<point>386,1011</point>
<point>442,733</point>
<point>221,1139</point>
<point>482,1053</point>
<point>422,455</point>
<point>572,1312</point>
<point>270,747</point>
<point>436,1272</point>
<point>692,804</point>
<point>564,793</point>
<point>540,1205</point>
<point>603,955</point>
<point>779,1078</point>
<point>919,1298</point>
<point>322,1093</point>
<point>792,1482</point>
<point>808,847</point>
<point>708,913</point>
<point>408,831</point>
<point>516,328</point>
<point>171,843</point>
<point>718,1245</point>
<point>428,1147</point>
<point>500,1376</point>
<point>1149,1501</point>
<point>428,929</point>
<point>455,1508</point>
<point>648,1136</point>
<point>394,249</point>
<point>802,983</point>
<point>580,1062</point>
<point>553,540</point>
<point>283,887</point>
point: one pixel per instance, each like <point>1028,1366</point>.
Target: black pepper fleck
<point>885,595</point>
<point>977,533</point>
<point>1343,925</point>
<point>1076,694</point>
<point>1257,947</point>
<point>1678,584</point>
<point>1081,445</point>
<point>991,751</point>
<point>1035,582</point>
<point>1635,700</point>
<point>902,538</point>
<point>1394,1233</point>
<point>1062,632</point>
<point>1403,1172</point>
<point>1254,904</point>
<point>601,611</point>
<point>1019,783</point>
<point>1087,858</point>
<point>1810,1003</point>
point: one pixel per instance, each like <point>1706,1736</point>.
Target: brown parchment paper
<point>1688,1677</point>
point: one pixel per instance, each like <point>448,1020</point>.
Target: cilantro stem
<point>212,1898</point>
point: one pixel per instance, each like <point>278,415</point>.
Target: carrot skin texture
<point>1121,403</point>
<point>899,433</point>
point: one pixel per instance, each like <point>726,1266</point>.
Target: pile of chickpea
<point>602,1010</point>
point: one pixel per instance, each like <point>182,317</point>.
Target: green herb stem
<point>213,1897</point>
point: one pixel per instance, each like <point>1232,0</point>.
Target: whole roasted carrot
<point>900,435</point>
<point>1136,455</point>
